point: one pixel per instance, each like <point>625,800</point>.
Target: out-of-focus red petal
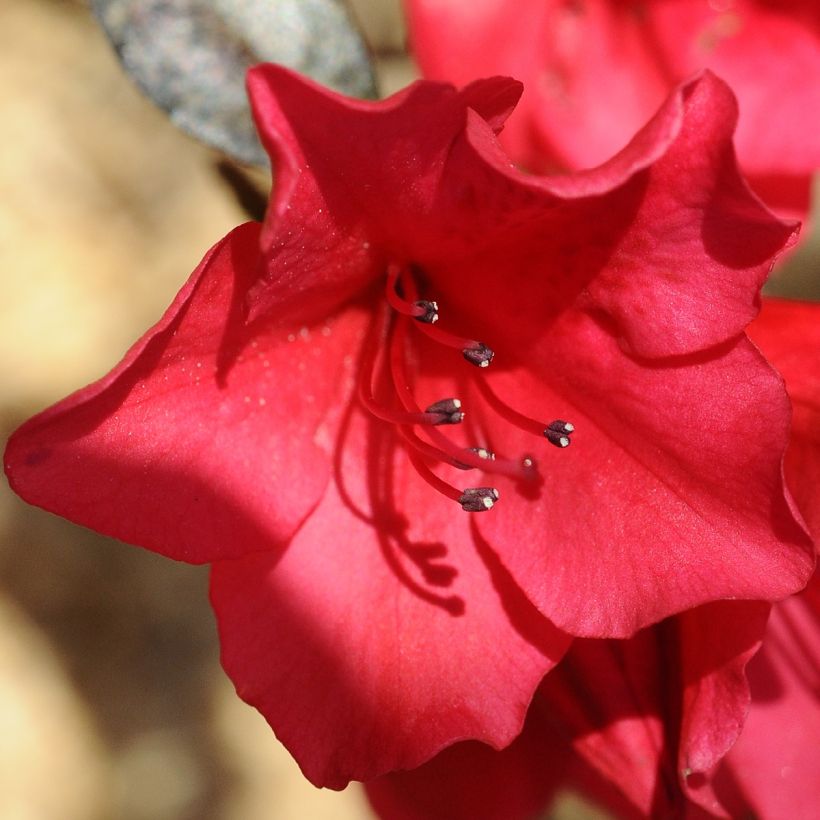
<point>588,82</point>
<point>716,642</point>
<point>471,781</point>
<point>670,496</point>
<point>205,441</point>
<point>386,631</point>
<point>651,713</point>
<point>788,333</point>
<point>773,770</point>
<point>769,53</point>
<point>611,701</point>
<point>594,72</point>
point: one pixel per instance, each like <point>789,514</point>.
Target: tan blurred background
<point>112,701</point>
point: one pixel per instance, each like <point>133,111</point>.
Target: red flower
<point>264,424</point>
<point>641,725</point>
<point>596,70</point>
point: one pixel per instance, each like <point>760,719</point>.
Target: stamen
<point>430,315</point>
<point>422,311</point>
<point>448,409</point>
<point>456,455</point>
<point>480,355</point>
<point>557,432</point>
<point>427,449</point>
<point>478,499</point>
<point>407,416</point>
<point>476,353</point>
<point>482,452</point>
<point>473,499</point>
<point>390,344</point>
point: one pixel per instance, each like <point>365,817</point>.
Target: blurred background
<point>112,700</point>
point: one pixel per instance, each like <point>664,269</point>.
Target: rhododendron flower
<point>595,70</point>
<point>337,398</point>
<point>642,725</point>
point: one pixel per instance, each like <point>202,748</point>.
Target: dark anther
<point>430,315</point>
<point>558,432</point>
<point>478,499</point>
<point>449,411</point>
<point>480,355</point>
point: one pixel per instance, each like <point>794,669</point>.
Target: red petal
<point>384,632</point>
<point>717,641</point>
<point>774,769</point>
<point>470,781</point>
<point>611,698</point>
<point>665,241</point>
<point>697,225</point>
<point>629,704</point>
<point>202,443</point>
<point>788,333</point>
<point>358,179</point>
<point>671,494</point>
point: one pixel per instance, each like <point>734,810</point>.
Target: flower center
<point>385,361</point>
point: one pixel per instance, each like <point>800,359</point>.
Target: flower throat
<point>387,357</point>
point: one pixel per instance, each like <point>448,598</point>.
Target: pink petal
<point>385,631</point>
<point>202,443</point>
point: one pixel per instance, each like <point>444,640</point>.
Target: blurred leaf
<point>190,57</point>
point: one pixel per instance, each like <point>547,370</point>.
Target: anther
<point>558,432</point>
<point>478,354</point>
<point>448,409</point>
<point>422,310</point>
<point>478,499</point>
<point>429,316</point>
<point>482,452</point>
